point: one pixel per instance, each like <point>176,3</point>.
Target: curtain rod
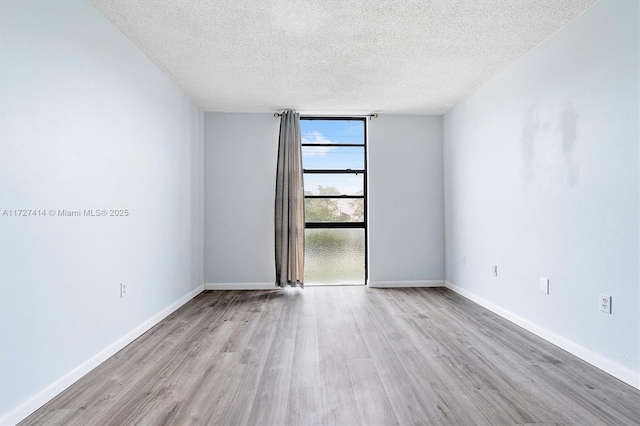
<point>374,115</point>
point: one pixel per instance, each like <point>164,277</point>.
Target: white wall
<point>87,122</point>
<point>405,199</point>
<point>541,179</point>
<point>406,219</point>
<point>240,177</point>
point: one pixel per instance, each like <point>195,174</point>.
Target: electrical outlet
<point>605,303</point>
<point>123,290</point>
<point>544,285</point>
<point>494,269</point>
<point>464,261</point>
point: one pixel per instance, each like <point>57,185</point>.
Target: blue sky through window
<point>333,131</point>
<point>333,158</point>
<point>330,132</point>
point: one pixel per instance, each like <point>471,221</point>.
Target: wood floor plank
<point>338,398</point>
<point>305,406</point>
<point>234,404</point>
<point>270,405</point>
<point>340,356</point>
<point>371,397</point>
<point>337,329</point>
<point>258,346</point>
<point>202,399</point>
<point>305,371</point>
<point>410,406</point>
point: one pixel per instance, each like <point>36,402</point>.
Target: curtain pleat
<point>289,208</point>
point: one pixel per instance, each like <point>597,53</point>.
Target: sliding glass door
<point>335,187</point>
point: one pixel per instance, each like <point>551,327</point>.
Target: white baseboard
<point>23,410</point>
<point>605,364</point>
<point>240,286</point>
<point>399,284</point>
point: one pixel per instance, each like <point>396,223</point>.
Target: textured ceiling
<point>335,56</point>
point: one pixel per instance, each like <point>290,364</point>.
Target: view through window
<point>334,162</point>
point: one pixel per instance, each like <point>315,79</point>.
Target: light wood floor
<point>341,356</point>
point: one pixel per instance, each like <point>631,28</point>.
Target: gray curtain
<point>289,212</point>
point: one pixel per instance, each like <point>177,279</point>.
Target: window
<point>335,187</point>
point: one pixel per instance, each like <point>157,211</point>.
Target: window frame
<point>336,224</point>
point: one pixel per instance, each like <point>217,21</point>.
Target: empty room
<point>319,212</point>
